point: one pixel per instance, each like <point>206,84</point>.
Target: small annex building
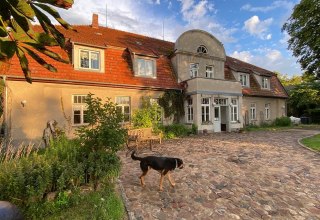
<point>222,93</point>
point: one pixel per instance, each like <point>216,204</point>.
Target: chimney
<point>95,21</point>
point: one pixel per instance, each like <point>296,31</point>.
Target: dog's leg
<point>171,180</point>
<point>144,173</point>
<point>161,181</point>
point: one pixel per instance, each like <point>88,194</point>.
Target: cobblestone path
<point>254,175</point>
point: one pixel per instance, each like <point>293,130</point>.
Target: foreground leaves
<point>18,37</point>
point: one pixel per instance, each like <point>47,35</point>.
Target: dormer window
<point>88,58</point>
<point>265,83</point>
<point>244,79</point>
<point>145,67</point>
<point>202,49</point>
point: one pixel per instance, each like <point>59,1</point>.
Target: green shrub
<point>282,121</point>
<point>178,130</point>
<point>148,115</point>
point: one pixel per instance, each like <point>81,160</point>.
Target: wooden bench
<point>138,137</point>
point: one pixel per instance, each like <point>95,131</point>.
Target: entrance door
<point>217,119</point>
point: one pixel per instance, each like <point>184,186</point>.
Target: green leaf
<point>47,52</point>
<point>25,9</point>
<point>58,3</point>
<point>8,49</point>
<point>24,63</point>
<point>55,14</point>
<point>49,27</point>
<point>41,61</point>
<point>3,32</point>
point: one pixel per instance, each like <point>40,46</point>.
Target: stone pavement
<point>254,175</point>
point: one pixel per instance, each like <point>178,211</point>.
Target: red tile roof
<point>118,63</point>
<point>276,88</point>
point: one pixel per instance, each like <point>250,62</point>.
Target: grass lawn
<point>312,142</point>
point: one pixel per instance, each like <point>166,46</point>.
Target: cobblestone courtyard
<point>255,175</point>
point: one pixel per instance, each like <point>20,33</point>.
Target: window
<point>146,67</point>
<point>194,67</point>
<point>205,109</point>
<point>189,110</point>
<point>244,79</point>
<point>79,110</point>
<point>267,111</point>
<point>209,71</point>
<point>220,101</point>
<point>202,49</point>
<point>123,106</point>
<point>265,83</point>
<point>234,110</point>
<point>253,111</point>
<point>90,59</point>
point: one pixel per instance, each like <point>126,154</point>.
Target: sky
<point>250,30</point>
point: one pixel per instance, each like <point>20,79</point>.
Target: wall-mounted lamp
<point>23,103</point>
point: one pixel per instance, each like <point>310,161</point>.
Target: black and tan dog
<point>162,164</point>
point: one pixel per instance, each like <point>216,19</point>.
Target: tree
<point>304,97</point>
<point>304,30</point>
<point>18,36</point>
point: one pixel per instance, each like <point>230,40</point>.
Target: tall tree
<point>18,36</point>
<point>304,30</point>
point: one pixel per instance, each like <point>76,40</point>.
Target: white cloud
<point>245,56</point>
<point>273,6</point>
<point>258,28</point>
<point>270,59</point>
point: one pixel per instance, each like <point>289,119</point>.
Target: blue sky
<point>249,29</point>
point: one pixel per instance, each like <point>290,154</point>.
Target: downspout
<point>5,109</point>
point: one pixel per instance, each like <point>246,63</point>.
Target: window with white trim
<point>79,110</point>
<point>205,109</point>
<point>267,111</point>
<point>123,106</point>
<point>253,111</point>
<point>244,79</point>
<point>234,110</point>
<point>145,67</point>
<point>89,59</point>
<point>209,72</point>
<point>221,101</point>
<point>202,49</point>
<point>194,68</point>
<point>189,110</point>
<point>265,83</point>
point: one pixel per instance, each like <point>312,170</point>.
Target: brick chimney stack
<point>95,21</point>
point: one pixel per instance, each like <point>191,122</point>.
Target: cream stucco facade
<point>33,105</point>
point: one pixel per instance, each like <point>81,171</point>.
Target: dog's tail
<point>134,157</point>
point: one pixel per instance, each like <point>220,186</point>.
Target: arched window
<point>202,49</point>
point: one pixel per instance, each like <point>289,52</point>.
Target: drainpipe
<point>5,109</point>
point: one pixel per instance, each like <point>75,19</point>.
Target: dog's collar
<point>176,163</point>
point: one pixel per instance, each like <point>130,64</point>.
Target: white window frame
<point>202,49</point>
<point>194,70</point>
<point>265,82</point>
<point>205,110</point>
<point>209,72</point>
<point>76,58</point>
<point>90,58</point>
<point>79,104</point>
<point>122,106</point>
<point>267,111</point>
<point>189,110</point>
<point>253,111</point>
<point>234,110</point>
<point>244,79</point>
<point>142,67</point>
